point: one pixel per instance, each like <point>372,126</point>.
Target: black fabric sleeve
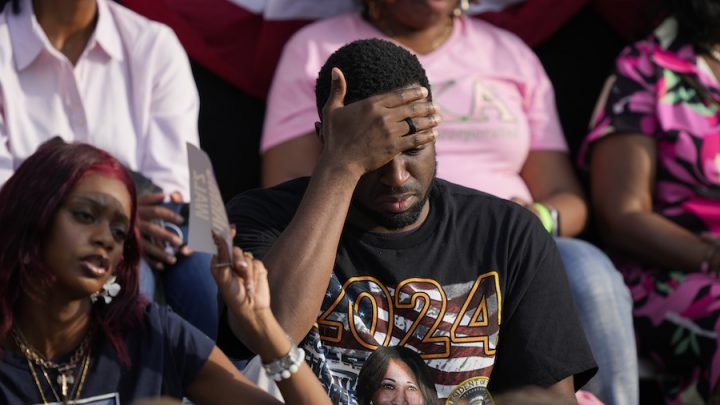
<point>541,339</point>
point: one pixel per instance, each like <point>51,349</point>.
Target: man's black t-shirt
<point>478,289</point>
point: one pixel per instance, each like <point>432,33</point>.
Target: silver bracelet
<point>284,367</point>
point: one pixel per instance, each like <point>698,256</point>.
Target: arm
<point>550,179</point>
<point>542,342</point>
<point>291,159</point>
<point>622,171</point>
<point>172,122</point>
<point>289,145</point>
<point>564,389</point>
<point>219,382</point>
<point>357,138</point>
<point>242,283</point>
<point>547,170</point>
<point>6,160</point>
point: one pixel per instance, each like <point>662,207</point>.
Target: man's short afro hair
<point>370,67</point>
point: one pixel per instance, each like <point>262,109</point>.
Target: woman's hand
<point>242,282</point>
<point>159,244</point>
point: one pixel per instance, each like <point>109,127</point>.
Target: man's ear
<point>318,131</point>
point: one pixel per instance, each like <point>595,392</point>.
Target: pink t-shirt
<point>495,99</point>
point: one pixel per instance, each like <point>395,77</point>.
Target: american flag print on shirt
<point>454,327</point>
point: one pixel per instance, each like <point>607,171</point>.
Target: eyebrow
<point>103,201</point>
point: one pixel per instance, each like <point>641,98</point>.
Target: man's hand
<point>365,135</point>
<point>155,237</point>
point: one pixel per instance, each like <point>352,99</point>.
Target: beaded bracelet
<point>284,367</point>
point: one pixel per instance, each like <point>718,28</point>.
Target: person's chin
<point>398,220</point>
<point>438,6</point>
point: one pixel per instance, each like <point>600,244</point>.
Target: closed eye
<point>413,151</point>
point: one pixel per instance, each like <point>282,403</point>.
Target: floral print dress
<point>664,90</point>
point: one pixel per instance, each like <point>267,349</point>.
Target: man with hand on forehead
<point>372,250</point>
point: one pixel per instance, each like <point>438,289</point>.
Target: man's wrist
<point>338,170</point>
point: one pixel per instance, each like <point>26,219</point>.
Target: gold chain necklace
<point>66,374</point>
<point>66,396</point>
<point>435,44</point>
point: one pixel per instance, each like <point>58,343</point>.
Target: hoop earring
<point>462,8</point>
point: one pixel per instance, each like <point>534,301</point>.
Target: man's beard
<point>399,220</point>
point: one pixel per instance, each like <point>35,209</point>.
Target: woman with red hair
<point>73,325</point>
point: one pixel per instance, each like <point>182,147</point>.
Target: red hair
<point>28,204</point>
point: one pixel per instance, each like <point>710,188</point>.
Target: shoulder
<point>479,27</point>
<point>176,333</point>
<point>465,196</point>
<point>170,346</point>
<point>5,45</point>
<point>503,40</point>
<point>664,47</point>
<point>493,49</point>
<point>320,39</point>
<point>134,22</point>
<point>139,32</point>
<point>470,207</point>
<point>158,318</point>
<point>325,29</point>
<point>155,314</point>
<point>273,202</point>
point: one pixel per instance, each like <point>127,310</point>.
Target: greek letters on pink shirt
<point>496,101</point>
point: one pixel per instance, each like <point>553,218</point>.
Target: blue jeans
<point>605,310</point>
<point>189,290</point>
